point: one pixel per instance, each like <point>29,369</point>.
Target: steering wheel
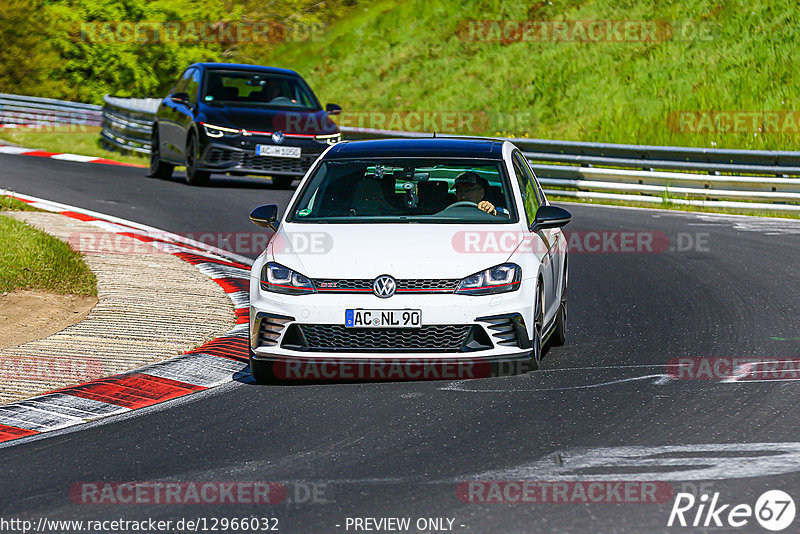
<point>461,204</point>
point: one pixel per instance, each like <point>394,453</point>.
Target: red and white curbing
<point>63,156</point>
<point>215,363</point>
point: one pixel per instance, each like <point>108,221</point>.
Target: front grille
<point>415,285</point>
<point>247,161</point>
<point>434,338</point>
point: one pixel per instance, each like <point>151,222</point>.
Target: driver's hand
<point>487,206</point>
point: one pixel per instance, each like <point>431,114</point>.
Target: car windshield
<point>406,190</point>
<point>257,88</point>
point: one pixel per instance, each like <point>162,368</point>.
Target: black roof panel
<point>447,147</point>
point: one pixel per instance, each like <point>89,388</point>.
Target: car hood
<point>269,120</point>
<point>399,250</point>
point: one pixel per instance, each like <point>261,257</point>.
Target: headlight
<point>279,279</point>
<point>331,139</point>
<point>498,279</point>
<point>219,131</point>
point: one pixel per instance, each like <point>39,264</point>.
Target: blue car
<point>240,119</point>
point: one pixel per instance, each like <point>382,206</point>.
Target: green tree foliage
<point>27,60</point>
<point>82,49</point>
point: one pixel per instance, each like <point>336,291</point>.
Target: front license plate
<point>383,318</point>
<point>278,151</point>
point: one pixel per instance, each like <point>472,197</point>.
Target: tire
<point>537,348</point>
<point>262,371</point>
<point>559,336</point>
<point>158,169</point>
<point>282,182</point>
<point>193,176</point>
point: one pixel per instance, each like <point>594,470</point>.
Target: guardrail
<point>760,180</point>
<point>128,123</point>
<point>34,111</point>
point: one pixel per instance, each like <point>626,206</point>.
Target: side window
<point>529,198</point>
<point>181,85</point>
<point>193,86</point>
<point>532,177</point>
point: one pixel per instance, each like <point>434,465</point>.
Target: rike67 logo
<point>774,510</point>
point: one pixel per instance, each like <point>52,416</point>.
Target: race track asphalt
<point>400,449</point>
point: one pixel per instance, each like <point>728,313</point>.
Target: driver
<point>471,187</point>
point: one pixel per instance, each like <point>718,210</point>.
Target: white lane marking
<point>241,299</point>
<point>198,369</point>
<point>74,157</point>
<point>215,270</point>
<point>70,405</point>
<point>242,330</point>
<point>661,379</point>
<point>766,226</point>
<point>14,150</point>
<point>659,463</point>
<point>643,366</point>
<point>33,418</point>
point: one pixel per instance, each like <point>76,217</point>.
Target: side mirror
<point>181,97</point>
<point>550,217</point>
<point>333,109</point>
<point>265,216</point>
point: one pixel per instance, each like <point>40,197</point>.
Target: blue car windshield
<point>258,89</point>
<point>406,190</point>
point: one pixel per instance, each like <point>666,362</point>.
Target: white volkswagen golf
<point>440,249</point>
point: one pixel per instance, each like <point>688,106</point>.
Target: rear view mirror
<point>333,109</point>
<point>180,97</point>
<point>550,217</point>
<point>265,216</point>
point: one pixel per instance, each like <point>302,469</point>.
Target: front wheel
<point>158,169</point>
<point>559,336</point>
<point>538,330</point>
<point>193,176</point>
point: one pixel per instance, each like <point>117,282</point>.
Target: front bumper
<point>454,327</point>
<point>240,157</point>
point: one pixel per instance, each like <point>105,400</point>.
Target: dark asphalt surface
<point>400,449</point>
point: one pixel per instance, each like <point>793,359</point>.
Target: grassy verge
<point>422,55</point>
<point>85,142</point>
<point>667,205</point>
<point>40,261</point>
<point>12,204</point>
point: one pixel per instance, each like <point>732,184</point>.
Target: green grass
<point>40,261</point>
<point>414,55</point>
<point>12,204</point>
<point>84,141</point>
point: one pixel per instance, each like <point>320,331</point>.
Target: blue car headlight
<point>219,131</point>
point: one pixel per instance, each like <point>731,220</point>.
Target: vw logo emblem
<point>384,286</point>
<point>277,137</point>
